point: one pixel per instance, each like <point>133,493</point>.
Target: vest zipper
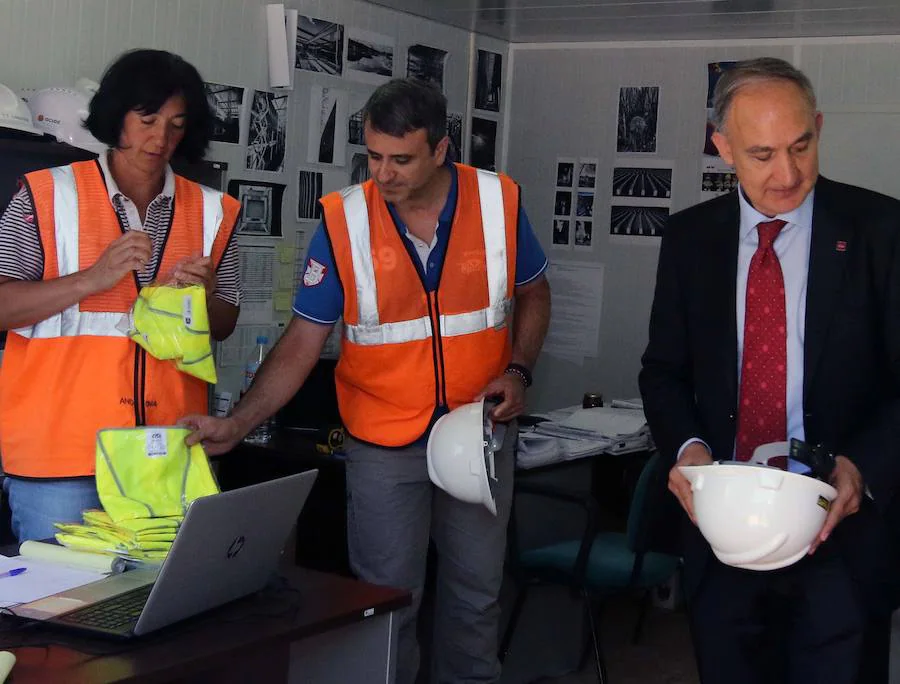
<point>439,351</point>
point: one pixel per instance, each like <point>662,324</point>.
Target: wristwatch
<point>521,372</point>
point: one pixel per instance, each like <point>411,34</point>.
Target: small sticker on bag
<point>156,446</point>
<point>824,503</point>
<point>187,310</point>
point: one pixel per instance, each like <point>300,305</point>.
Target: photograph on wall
<point>327,107</point>
<point>638,221</point>
<point>715,183</point>
<point>587,173</point>
<point>356,105</point>
<point>565,172</point>
<point>562,204</point>
<point>309,190</point>
<point>454,132</point>
<point>638,113</point>
<point>641,181</point>
<point>483,144</point>
<point>320,46</point>
<point>426,64</point>
<point>487,81</point>
<point>585,204</point>
<point>370,56</point>
<point>260,206</point>
<point>359,168</point>
<point>560,238</point>
<point>267,130</point>
<point>226,102</point>
<point>714,71</point>
<point>583,233</point>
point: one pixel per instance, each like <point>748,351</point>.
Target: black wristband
<point>521,371</point>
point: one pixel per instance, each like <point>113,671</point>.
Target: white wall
<point>564,103</point>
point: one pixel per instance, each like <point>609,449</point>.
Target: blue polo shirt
<point>320,297</point>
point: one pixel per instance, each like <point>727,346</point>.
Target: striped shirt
<point>22,255</point>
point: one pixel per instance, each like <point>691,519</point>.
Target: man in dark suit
<point>832,347</point>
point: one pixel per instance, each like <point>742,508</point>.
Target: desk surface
<point>310,604</point>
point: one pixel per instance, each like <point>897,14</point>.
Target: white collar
<point>168,191</point>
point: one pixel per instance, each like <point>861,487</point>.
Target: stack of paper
<point>40,578</point>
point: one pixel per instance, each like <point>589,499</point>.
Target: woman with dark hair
<point>76,245</point>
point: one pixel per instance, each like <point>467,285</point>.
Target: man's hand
<point>127,253</point>
<point>694,454</point>
<point>216,435</point>
<point>511,390</point>
<point>848,481</point>
<point>195,270</point>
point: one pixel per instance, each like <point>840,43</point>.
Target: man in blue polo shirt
<point>422,264</point>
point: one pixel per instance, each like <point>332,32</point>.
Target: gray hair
<point>757,70</point>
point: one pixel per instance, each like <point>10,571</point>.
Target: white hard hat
<point>757,517</point>
<point>14,113</point>
<point>461,454</point>
<point>61,113</point>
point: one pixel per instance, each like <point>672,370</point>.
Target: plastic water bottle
<point>262,433</point>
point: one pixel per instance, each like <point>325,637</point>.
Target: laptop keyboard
<point>113,614</point>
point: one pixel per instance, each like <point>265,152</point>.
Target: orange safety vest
<point>406,351</point>
<point>64,378</point>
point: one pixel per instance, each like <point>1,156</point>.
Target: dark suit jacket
<point>851,378</point>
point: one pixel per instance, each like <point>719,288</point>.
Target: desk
<point>321,629</point>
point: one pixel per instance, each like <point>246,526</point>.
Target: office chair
<point>599,564</point>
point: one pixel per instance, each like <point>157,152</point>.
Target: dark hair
<point>142,80</point>
<point>404,105</point>
<point>757,70</point>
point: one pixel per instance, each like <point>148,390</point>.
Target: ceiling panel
<point>573,20</point>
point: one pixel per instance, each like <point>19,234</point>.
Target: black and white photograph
<point>327,107</point>
<point>370,56</point>
<point>487,81</point>
<point>266,135</point>
<point>716,183</point>
<point>642,182</point>
<point>638,221</point>
<point>320,46</point>
<point>714,71</point>
<point>587,173</point>
<point>561,232</point>
<point>483,145</point>
<point>359,168</point>
<point>226,102</point>
<point>638,113</point>
<point>583,231</point>
<point>565,173</point>
<point>426,64</point>
<point>260,206</point>
<point>454,132</point>
<point>585,204</point>
<point>309,190</point>
<point>562,205</point>
<point>355,132</point>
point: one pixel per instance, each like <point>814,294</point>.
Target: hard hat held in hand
<point>61,112</point>
<point>14,113</point>
<point>756,516</point>
<point>461,454</point>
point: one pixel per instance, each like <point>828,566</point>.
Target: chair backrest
<point>644,503</point>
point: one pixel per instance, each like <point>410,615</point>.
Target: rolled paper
<point>279,71</point>
<point>61,555</point>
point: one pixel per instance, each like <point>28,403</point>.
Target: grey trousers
<point>392,511</point>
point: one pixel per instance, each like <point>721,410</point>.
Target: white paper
<point>279,72</point>
<point>327,117</point>
<point>39,580</point>
<point>577,295</point>
<point>290,35</point>
<point>257,281</point>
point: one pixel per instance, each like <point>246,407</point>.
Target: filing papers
<point>41,578</point>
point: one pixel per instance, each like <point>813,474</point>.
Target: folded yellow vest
<point>149,472</point>
<point>173,323</point>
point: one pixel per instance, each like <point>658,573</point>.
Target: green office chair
<point>597,565</point>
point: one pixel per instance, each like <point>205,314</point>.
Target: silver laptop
<point>227,547</point>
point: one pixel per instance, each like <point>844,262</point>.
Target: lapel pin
<point>840,246</point>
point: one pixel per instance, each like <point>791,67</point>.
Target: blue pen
<point>13,572</point>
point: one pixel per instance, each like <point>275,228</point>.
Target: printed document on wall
<point>576,297</point>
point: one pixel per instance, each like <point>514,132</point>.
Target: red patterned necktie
<point>762,416</point>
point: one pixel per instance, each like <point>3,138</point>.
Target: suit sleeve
<point>666,377</point>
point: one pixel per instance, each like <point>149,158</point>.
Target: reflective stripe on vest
<point>72,321</point>
<point>370,331</point>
